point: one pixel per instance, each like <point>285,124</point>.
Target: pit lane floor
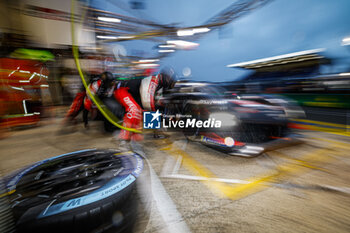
<point>304,188</point>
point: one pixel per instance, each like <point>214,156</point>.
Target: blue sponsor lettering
<point>111,188</point>
<point>74,202</point>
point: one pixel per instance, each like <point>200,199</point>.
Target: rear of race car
<point>248,128</point>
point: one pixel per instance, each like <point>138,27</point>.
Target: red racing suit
<point>76,106</point>
<point>148,89</point>
<point>133,114</point>
<point>144,92</point>
<point>145,89</point>
<point>93,87</point>
<point>82,102</point>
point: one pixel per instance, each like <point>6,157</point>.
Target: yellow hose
<point>101,107</point>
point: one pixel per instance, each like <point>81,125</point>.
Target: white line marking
<point>166,207</point>
<point>170,163</point>
<point>168,166</point>
<point>202,178</point>
<point>338,189</point>
<point>177,164</point>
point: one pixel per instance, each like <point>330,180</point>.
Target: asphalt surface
<point>193,188</point>
<point>331,115</point>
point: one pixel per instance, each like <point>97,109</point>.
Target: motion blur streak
<point>236,115</point>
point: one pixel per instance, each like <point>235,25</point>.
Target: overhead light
<point>125,37</point>
<point>346,41</point>
<point>200,30</point>
<point>115,37</point>
<point>193,83</point>
<point>148,60</point>
<point>147,65</point>
<point>191,32</point>
<point>344,74</point>
<point>106,37</point>
<point>108,19</point>
<point>185,32</point>
<point>181,44</point>
<point>166,46</point>
<point>166,51</point>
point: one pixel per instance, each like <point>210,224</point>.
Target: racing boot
<point>121,144</point>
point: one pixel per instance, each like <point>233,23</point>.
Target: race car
<point>249,124</point>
